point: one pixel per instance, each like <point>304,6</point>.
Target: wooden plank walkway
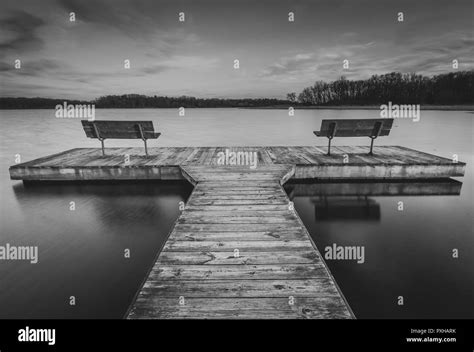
<point>388,162</point>
<point>239,251</point>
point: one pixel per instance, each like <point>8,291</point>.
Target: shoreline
<point>368,107</point>
<point>468,108</point>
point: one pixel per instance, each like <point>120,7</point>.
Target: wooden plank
<point>237,185</point>
<point>355,127</point>
<point>234,272</point>
<point>119,129</point>
<point>236,196</point>
<point>220,211</point>
<point>233,192</point>
<point>267,201</point>
<point>391,172</point>
<point>240,308</point>
<point>217,227</point>
<point>242,246</point>
<point>321,287</point>
<point>246,257</point>
<point>82,156</point>
<point>230,208</point>
<point>288,235</point>
<point>235,220</point>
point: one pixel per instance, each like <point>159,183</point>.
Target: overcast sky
<point>85,59</point>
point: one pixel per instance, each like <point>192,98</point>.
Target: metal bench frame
<point>101,139</point>
<point>332,133</point>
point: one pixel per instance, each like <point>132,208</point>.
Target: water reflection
<point>371,188</point>
<point>340,201</point>
<point>337,208</point>
<point>107,204</point>
<point>81,252</point>
<point>407,252</point>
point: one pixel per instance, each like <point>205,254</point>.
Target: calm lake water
<point>81,252</point>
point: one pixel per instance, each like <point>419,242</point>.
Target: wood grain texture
<point>388,162</point>
<point>239,251</point>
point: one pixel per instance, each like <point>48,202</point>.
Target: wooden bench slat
<point>354,128</point>
<point>371,128</point>
<point>109,129</point>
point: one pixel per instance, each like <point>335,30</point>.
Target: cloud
<point>20,32</point>
<point>429,55</point>
<point>35,68</point>
<point>86,57</point>
<point>179,62</point>
<point>135,19</point>
<point>302,62</point>
<point>304,65</point>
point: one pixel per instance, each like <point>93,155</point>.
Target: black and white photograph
<point>237,160</point>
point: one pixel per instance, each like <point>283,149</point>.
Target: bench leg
<point>146,148</point>
<point>103,149</point>
<point>371,146</point>
<point>329,146</point>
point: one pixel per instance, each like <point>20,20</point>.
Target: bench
<point>107,129</point>
<point>371,128</point>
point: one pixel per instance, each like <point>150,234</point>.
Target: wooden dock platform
<point>239,250</point>
<point>388,162</point>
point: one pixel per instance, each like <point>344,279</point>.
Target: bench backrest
<point>356,127</point>
<point>119,129</point>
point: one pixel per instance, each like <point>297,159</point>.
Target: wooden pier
<point>388,162</point>
<point>239,249</point>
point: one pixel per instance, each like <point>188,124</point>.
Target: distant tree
<point>291,97</point>
<point>410,88</point>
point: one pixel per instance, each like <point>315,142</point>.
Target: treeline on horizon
<point>137,101</point>
<point>445,89</point>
